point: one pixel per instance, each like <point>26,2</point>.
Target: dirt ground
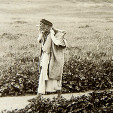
<point>19,102</point>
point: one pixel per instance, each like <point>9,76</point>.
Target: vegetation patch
<point>79,75</point>
<point>20,22</point>
<point>9,36</point>
<point>84,74</point>
<point>86,26</point>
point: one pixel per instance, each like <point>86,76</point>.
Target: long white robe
<point>45,83</point>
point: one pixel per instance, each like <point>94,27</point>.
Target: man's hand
<point>40,28</point>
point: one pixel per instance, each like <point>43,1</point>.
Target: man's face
<point>44,27</point>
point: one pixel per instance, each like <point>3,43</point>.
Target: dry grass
<point>89,27</point>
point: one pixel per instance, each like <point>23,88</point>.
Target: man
<point>51,58</point>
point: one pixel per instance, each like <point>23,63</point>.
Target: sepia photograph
<point>56,56</point>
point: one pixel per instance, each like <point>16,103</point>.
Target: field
<point>89,27</point>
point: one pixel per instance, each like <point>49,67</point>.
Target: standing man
<point>51,58</point>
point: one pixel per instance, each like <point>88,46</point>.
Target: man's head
<point>45,25</point>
